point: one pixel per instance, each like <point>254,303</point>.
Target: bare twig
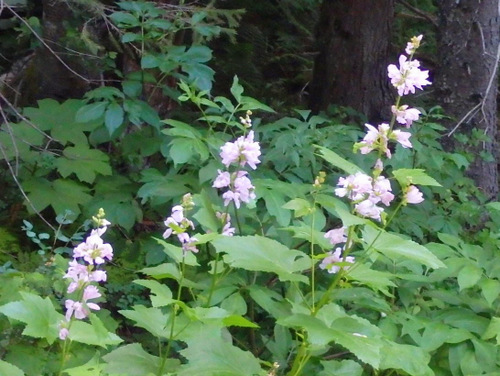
<point>45,44</point>
<point>14,176</point>
<point>421,13</point>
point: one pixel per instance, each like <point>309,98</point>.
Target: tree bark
<point>353,38</point>
<point>466,83</point>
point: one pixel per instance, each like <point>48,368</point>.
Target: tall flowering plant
<point>369,194</point>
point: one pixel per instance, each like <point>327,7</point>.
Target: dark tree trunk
<point>466,83</point>
<point>351,68</point>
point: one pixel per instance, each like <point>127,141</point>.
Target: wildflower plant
<point>313,292</point>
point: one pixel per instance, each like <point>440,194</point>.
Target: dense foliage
<point>205,242</point>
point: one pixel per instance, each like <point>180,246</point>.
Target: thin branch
<point>419,12</point>
<point>481,105</point>
<point>19,186</point>
<point>46,45</point>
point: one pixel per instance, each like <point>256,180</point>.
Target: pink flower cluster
<point>336,236</point>
<point>83,273</point>
<point>178,224</point>
<point>244,151</point>
<point>366,192</point>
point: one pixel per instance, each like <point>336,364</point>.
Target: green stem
<point>214,280</point>
<point>301,359</point>
<point>174,316</point>
<point>313,268</point>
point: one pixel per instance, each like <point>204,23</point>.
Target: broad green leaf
<point>366,348</point>
<point>214,356</point>
<point>300,207</point>
<point>165,270</point>
<point>124,19</point>
<point>160,294</point>
<point>337,161</point>
<point>199,54</point>
<point>270,301</point>
<point>150,318</point>
<point>149,61</point>
<point>39,315</point>
<point>177,254</point>
<point>8,369</point>
<point>304,232</point>
<point>274,203</point>
<point>340,209</point>
<point>249,103</point>
<point>91,112</point>
<point>84,162</point>
<point>61,194</point>
<point>94,333</point>
<point>375,279</point>
<point>236,89</point>
<point>490,289</point>
<point>132,360</point>
<point>410,359</point>
<point>257,253</point>
<point>92,368</point>
<point>341,368</point>
<point>181,150</point>
<point>113,117</point>
<point>469,276</point>
<point>397,248</point>
<point>64,127</point>
<point>407,176</point>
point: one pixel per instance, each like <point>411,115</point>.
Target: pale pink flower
<point>75,308</point>
<point>382,191</point>
<point>413,44</point>
<point>63,333</point>
<point>337,236</point>
<point>355,187</point>
<point>375,139</point>
<point>402,137</point>
<point>329,261</point>
<point>188,242</point>
<point>90,292</point>
<point>405,115</point>
<point>225,218</point>
<point>408,76</point>
<point>176,223</point>
<point>93,250</point>
<point>222,180</point>
<point>243,151</point>
<point>367,208</point>
<point>413,195</point>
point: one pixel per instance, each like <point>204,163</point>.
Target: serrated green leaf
<point>150,318</point>
<point>8,369</point>
<point>407,176</point>
<point>236,89</point>
<point>94,333</point>
<point>367,349</point>
<point>213,356</point>
<point>374,279</point>
<point>161,295</point>
<point>199,54</point>
<point>300,207</point>
<point>490,288</point>
<point>337,161</point>
<point>165,270</point>
<point>469,276</point>
<point>92,368</point>
<point>39,315</point>
<point>177,254</point>
<point>257,253</point>
<point>341,368</point>
<point>91,112</point>
<point>113,117</point>
<point>410,359</point>
<point>132,360</point>
<point>397,248</point>
<point>84,162</point>
<point>270,301</point>
<point>275,202</point>
<point>249,103</point>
